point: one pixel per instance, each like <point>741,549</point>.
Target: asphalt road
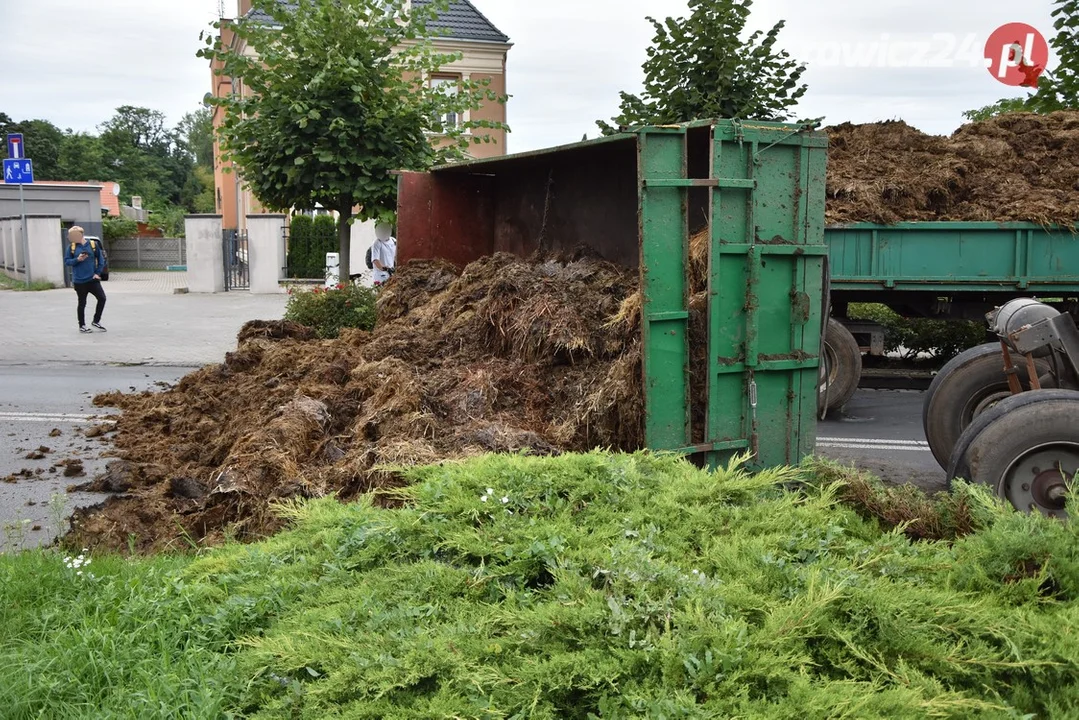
<point>35,403</point>
<point>882,433</point>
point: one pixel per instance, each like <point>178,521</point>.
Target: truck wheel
<point>841,367</point>
<point>972,382</point>
<point>1026,449</point>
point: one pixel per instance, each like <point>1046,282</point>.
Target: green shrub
<point>914,336</point>
<point>309,241</point>
<point>329,311</point>
<point>579,587</point>
<point>114,228</point>
<point>299,239</point>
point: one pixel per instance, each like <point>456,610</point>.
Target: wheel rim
<point>981,404</point>
<point>830,371</point>
<point>1038,479</point>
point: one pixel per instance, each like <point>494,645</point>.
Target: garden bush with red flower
<point>329,310</point>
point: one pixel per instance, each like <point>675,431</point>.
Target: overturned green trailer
<point>635,199</point>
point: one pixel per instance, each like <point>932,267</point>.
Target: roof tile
<point>461,21</point>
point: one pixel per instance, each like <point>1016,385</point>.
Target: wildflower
<point>483,498</point>
<point>505,500</point>
<point>490,491</point>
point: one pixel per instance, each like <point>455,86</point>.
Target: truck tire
<point>972,382</point>
<point>841,368</point>
<point>1026,449</point>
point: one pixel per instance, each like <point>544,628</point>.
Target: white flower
<point>490,491</point>
<point>483,498</point>
<point>696,572</point>
<point>505,500</point>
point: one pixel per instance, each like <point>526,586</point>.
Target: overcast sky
<point>74,61</point>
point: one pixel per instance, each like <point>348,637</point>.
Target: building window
<point>449,85</point>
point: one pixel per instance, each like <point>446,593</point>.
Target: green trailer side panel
<point>953,256</point>
<point>663,286</point>
<point>766,283</point>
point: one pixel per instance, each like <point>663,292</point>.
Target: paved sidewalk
<point>145,281</point>
<point>147,324</point>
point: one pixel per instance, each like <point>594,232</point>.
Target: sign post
<point>18,169</point>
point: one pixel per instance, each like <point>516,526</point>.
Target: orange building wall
<point>491,111</point>
<point>224,183</point>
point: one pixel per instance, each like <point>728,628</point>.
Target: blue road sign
<point>16,150</point>
<point>18,172</point>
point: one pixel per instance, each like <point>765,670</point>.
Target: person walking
<point>87,263</point>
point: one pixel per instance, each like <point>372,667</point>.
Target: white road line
<point>45,417</point>
<point>875,441</point>
<point>866,446</point>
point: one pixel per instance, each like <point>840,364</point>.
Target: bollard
<point>333,269</point>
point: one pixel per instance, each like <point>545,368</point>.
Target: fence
<point>145,253</point>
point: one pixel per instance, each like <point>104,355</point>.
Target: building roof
<point>461,21</point>
<point>109,202</point>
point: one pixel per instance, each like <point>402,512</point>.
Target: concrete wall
<point>46,249</point>
<point>11,249</point>
<point>266,251</point>
<point>46,245</point>
<point>73,204</point>
<point>205,254</point>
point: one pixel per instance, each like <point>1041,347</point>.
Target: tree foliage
<point>1058,89</point>
<point>700,67</point>
<point>170,168</point>
<point>45,139</point>
<point>115,228</point>
<point>197,130</point>
<point>145,156</point>
<point>335,99</point>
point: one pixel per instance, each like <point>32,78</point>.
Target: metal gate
<point>236,260</point>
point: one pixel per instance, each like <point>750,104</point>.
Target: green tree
<point>119,227</point>
<point>43,142</point>
<point>197,130</point>
<point>338,101</point>
<point>82,157</point>
<point>145,156</point>
<point>700,67</point>
<point>1000,107</point>
<point>1057,90</point>
<point>199,190</point>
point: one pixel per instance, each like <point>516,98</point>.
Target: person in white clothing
<point>383,254</point>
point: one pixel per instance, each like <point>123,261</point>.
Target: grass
<point>10,283</point>
<point>583,586</point>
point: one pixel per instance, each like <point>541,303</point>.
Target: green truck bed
<point>953,257</point>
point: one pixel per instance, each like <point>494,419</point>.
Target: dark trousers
<point>90,288</point>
